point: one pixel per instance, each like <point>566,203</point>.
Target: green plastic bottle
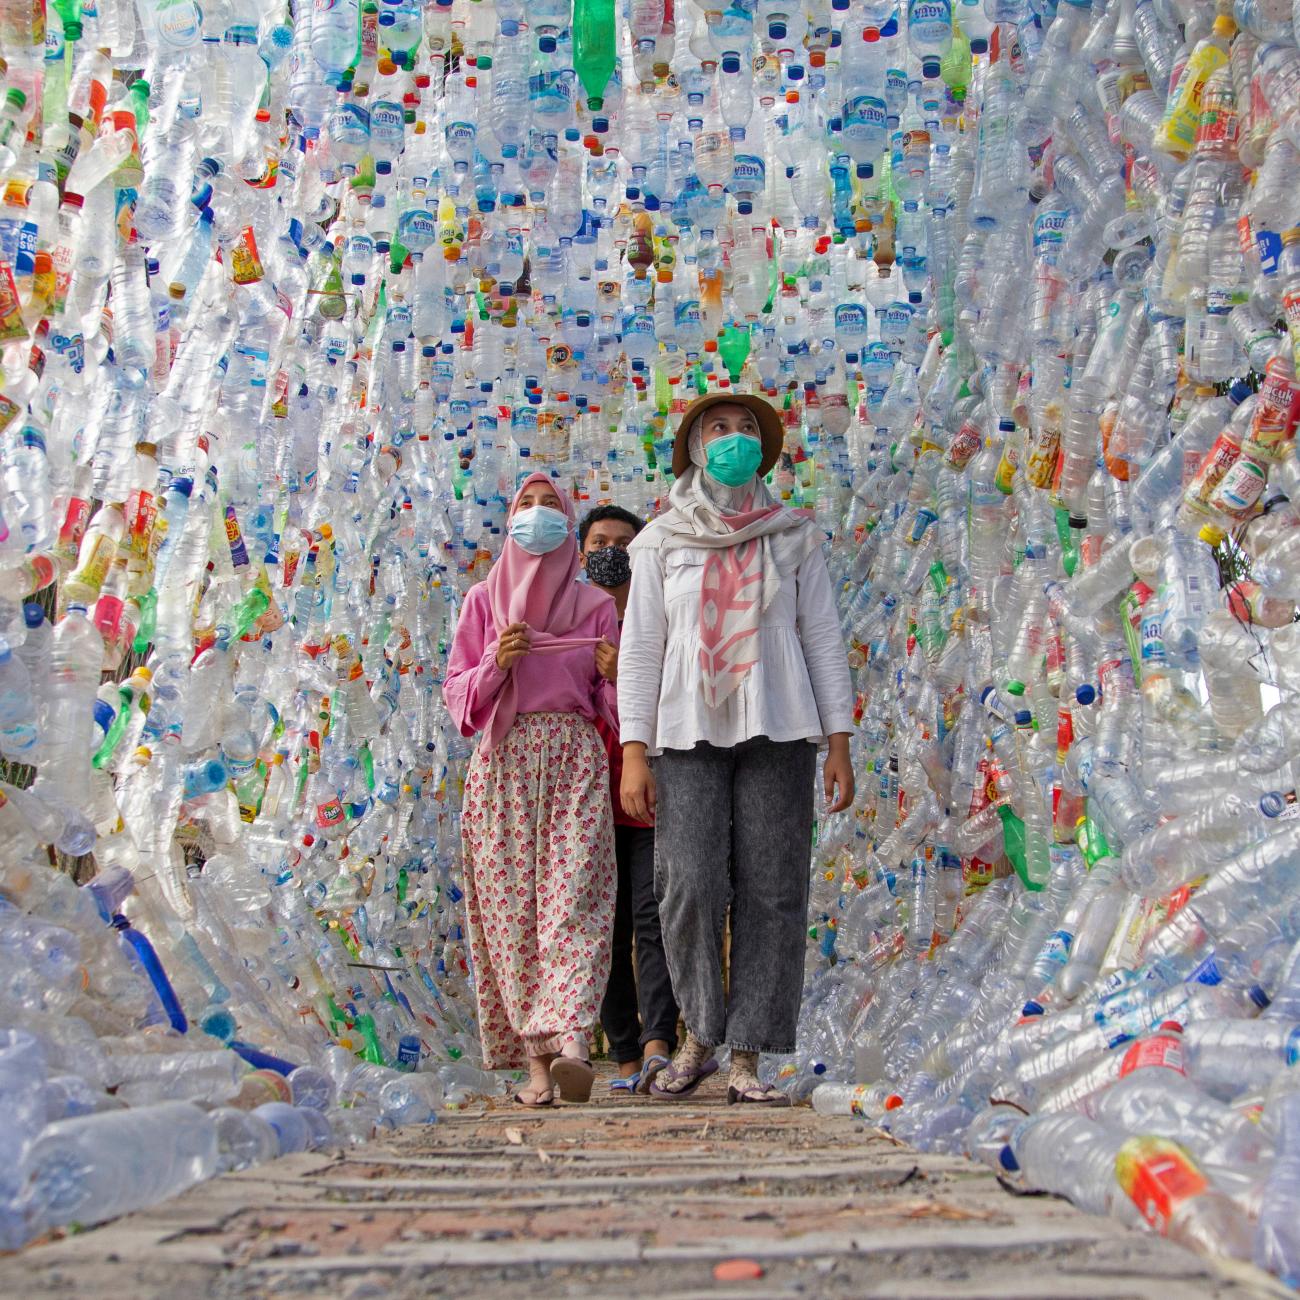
<point>595,48</point>
<point>954,67</point>
<point>1013,845</point>
<point>733,348</point>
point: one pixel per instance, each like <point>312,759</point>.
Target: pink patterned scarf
<point>749,536</point>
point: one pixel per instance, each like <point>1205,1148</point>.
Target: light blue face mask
<point>539,529</point>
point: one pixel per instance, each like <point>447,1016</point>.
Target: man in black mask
<point>603,538</point>
<point>639,1014</point>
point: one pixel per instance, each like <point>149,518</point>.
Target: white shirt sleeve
<point>641,650</point>
<point>823,644</point>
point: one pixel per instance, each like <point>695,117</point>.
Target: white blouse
<point>798,690</point>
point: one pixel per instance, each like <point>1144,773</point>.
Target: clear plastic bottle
<point>96,1167</point>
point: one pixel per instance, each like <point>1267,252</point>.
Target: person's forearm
<point>634,749</point>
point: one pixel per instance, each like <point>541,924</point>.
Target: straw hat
<point>770,429</point>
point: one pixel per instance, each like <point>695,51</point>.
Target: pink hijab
<point>542,591</point>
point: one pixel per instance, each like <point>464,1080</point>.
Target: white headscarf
<point>750,537</point>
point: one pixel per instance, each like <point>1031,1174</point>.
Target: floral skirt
<point>540,883</point>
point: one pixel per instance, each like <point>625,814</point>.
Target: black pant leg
<point>654,984</point>
<point>618,1011</point>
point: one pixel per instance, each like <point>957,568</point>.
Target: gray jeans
<point>734,827</point>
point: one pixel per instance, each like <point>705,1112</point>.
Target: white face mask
<point>539,529</point>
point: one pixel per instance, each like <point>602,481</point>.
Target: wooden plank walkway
<point>619,1198</point>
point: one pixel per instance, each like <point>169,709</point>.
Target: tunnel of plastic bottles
<point>293,293</point>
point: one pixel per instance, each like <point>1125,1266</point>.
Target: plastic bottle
<point>96,1167</point>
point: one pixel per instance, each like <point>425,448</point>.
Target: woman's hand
<point>837,774</point>
<point>513,644</point>
<point>607,660</point>
<point>637,791</point>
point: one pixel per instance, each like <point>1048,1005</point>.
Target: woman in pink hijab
<point>536,824</point>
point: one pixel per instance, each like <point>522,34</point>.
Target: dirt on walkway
<point>620,1198</point>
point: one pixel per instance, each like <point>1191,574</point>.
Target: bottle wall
<point>291,295</point>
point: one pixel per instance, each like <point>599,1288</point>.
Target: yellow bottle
<point>1177,132</point>
<point>1013,441</point>
<point>451,234</point>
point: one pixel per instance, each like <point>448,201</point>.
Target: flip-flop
<point>756,1097</point>
<point>573,1077</point>
<point>627,1083</point>
<point>650,1071</point>
<point>541,1104</point>
<point>673,1073</point>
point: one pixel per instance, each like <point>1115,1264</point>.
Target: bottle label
<point>864,116</point>
<point>349,121</point>
<point>1040,463</point>
<point>1219,301</point>
<point>25,258</point>
<point>256,361</point>
<point>688,315</point>
<point>1157,1176</point>
<point>93,572</point>
<point>1162,1053</point>
<point>1245,236</point>
<point>386,116</point>
<point>551,92</point>
<point>460,134</point>
<point>330,813</point>
<point>1218,460</point>
<point>141,510</point>
<point>1049,233</point>
<point>245,263</point>
<point>1240,487</point>
<point>1269,244</point>
<point>1220,127</point>
<point>369,41</point>
<point>1057,948</point>
<point>11,311</point>
<point>851,318</point>
<point>1152,634</point>
<point>938,12</point>
<point>748,173</point>
<point>235,539</point>
<point>965,443</point>
<point>74,524</point>
<point>176,22</point>
<point>1291,310</point>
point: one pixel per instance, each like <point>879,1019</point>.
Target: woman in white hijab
<point>732,672</point>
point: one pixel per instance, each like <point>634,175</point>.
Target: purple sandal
<point>759,1096</point>
<point>672,1074</point>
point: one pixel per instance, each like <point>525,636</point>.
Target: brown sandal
<point>573,1077</point>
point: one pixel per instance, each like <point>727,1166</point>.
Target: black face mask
<point>609,567</point>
